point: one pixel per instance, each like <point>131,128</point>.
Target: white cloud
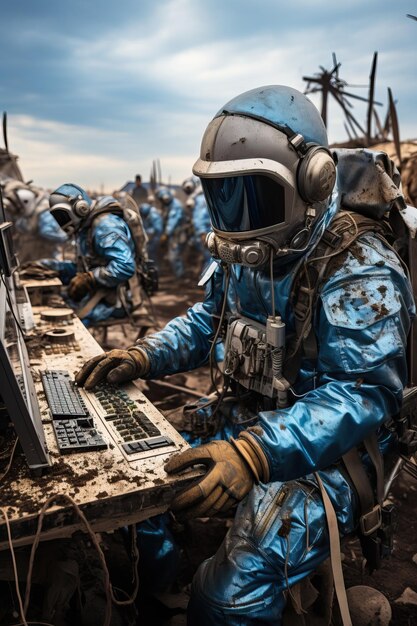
<point>157,80</point>
<point>51,154</point>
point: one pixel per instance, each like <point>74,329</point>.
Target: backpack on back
<point>371,201</point>
<point>145,278</point>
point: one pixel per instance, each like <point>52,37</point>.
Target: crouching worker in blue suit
<point>37,232</point>
<point>105,253</point>
<point>313,306</point>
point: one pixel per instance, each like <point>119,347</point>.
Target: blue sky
<point>97,89</point>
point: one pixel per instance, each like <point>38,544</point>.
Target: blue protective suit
<point>201,224</point>
<point>37,232</point>
<point>28,208</point>
<point>175,230</point>
<point>49,229</point>
<point>107,249</point>
<point>46,227</point>
<point>279,534</point>
<point>153,224</point>
<point>39,235</point>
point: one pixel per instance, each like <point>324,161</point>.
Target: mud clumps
<point>116,477</point>
<point>59,477</point>
<point>380,310</point>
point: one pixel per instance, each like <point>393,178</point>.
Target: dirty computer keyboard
<point>77,435</point>
<point>64,399</point>
<point>73,426</point>
<point>73,423</point>
<point>131,425</point>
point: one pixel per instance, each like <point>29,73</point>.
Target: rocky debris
<point>368,606</point>
<point>408,596</point>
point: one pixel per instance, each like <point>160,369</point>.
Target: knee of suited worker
<point>237,575</point>
<point>206,583</point>
<point>222,593</point>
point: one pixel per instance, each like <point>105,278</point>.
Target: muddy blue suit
<point>177,237</point>
<point>153,224</point>
<point>47,227</point>
<point>201,224</point>
<point>279,534</point>
<point>38,233</point>
<point>107,249</point>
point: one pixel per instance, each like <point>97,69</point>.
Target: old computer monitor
<point>8,259</point>
<point>17,389</point>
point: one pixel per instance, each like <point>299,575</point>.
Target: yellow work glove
<point>231,471</point>
<point>116,366</point>
<point>82,284</point>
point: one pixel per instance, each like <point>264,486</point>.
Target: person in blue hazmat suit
<point>153,224</point>
<point>200,217</point>
<point>175,232</point>
<point>106,253</point>
<point>27,206</point>
<point>277,200</point>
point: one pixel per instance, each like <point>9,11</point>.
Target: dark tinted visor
<point>245,202</point>
<point>62,216</point>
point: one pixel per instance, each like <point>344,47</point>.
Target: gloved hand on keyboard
<point>116,366</point>
<point>82,284</point>
<point>232,470</point>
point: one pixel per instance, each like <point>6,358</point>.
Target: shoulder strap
<point>99,211</point>
<point>335,555</point>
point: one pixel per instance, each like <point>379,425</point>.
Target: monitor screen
<point>17,389</point>
<point>8,260</point>
<point>2,210</point>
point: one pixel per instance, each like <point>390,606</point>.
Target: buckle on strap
<point>331,238</point>
<point>371,521</point>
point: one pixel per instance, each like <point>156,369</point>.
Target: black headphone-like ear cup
<point>81,208</point>
<point>316,174</point>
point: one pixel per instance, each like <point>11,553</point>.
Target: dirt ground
<point>397,573</point>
